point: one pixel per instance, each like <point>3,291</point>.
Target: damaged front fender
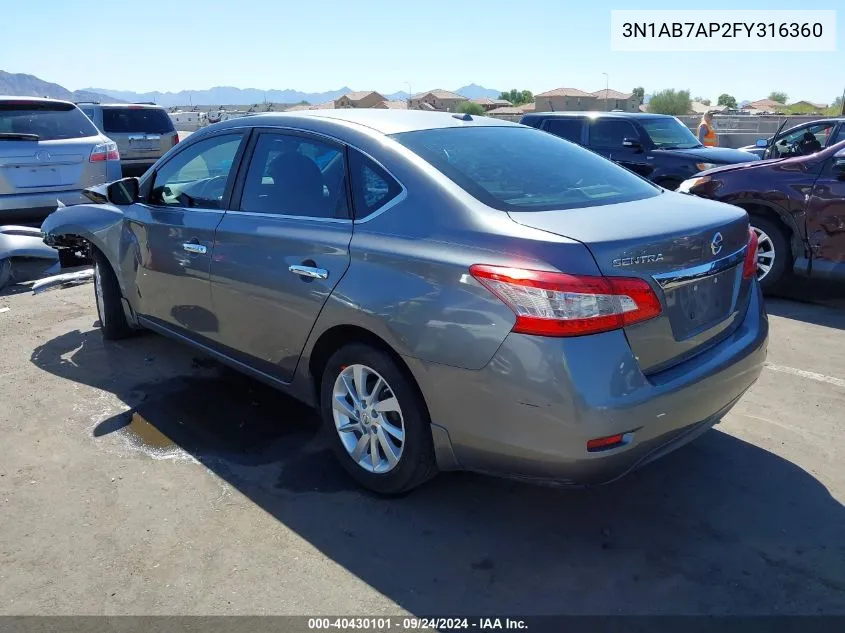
<point>99,225</point>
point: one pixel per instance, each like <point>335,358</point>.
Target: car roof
<point>383,121</point>
<point>598,115</point>
<point>8,98</point>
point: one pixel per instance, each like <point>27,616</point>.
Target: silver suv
<point>143,132</point>
<point>49,153</point>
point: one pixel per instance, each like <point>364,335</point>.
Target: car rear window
<point>138,120</point>
<point>523,169</point>
<point>48,121</point>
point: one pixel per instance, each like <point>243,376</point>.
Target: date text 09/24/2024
<point>410,623</point>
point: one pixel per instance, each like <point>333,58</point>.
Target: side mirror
<point>632,143</point>
<point>762,142</point>
<point>124,191</point>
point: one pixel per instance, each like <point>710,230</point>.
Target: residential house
<point>392,105</point>
<point>764,105</point>
<point>809,107</point>
<point>696,107</point>
<point>490,104</point>
<point>508,113</point>
<point>359,99</point>
<point>565,100</point>
<point>608,99</point>
<point>440,100</point>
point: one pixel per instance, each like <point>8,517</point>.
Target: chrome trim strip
<point>282,216</point>
<point>677,278</point>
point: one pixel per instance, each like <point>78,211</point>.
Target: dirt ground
<point>141,478</point>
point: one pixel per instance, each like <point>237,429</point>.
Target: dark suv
<point>797,209</point>
<point>656,146</point>
<point>143,132</point>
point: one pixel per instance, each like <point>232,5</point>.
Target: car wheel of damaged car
<point>5,272</point>
<point>773,254</point>
<point>113,322</point>
<point>377,424</point>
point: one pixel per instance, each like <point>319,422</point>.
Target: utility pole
<point>842,104</point>
<point>410,92</point>
<point>606,91</point>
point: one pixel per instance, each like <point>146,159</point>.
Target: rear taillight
<point>557,304</point>
<point>104,151</point>
<point>749,268</point>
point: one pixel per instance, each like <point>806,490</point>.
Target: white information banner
<point>716,30</point>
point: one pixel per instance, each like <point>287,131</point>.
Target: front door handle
<point>309,272</point>
<point>193,247</point>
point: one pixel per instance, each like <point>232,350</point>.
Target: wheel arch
<point>783,218</point>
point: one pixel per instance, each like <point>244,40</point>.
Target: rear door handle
<point>193,247</point>
<point>309,272</point>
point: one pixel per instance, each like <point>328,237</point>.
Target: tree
<point>517,97</point>
<point>638,93</point>
<point>705,101</point>
<point>674,102</point>
<point>470,107</point>
<point>835,108</point>
<point>778,96</point>
<point>729,101</point>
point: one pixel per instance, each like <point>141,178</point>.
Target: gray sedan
<point>451,292</point>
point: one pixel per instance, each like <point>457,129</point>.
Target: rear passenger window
<point>570,129</point>
<point>372,186</point>
<point>296,175</point>
<point>611,132</point>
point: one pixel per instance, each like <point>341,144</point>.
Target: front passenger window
<point>198,175</point>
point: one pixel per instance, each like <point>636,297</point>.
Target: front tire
<point>376,421</point>
<point>107,294</point>
<point>774,256</point>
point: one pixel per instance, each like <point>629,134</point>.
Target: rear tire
<point>5,272</point>
<point>108,297</point>
<point>774,255</point>
<point>374,419</point>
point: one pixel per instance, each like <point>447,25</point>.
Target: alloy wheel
<point>368,418</point>
<point>765,253</point>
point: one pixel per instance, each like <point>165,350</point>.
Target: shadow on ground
<point>720,526</point>
<point>812,301</point>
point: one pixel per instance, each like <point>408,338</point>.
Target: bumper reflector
<point>601,443</point>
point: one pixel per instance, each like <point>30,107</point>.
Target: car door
<point>282,248</point>
<point>183,201</point>
<point>607,136</point>
<point>826,219</point>
<point>801,141</point>
<point>570,128</point>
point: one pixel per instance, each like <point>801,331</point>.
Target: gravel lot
<point>140,478</point>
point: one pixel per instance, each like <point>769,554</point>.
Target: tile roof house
<point>564,100</point>
<point>609,99</point>
<point>809,105</point>
<point>437,99</point>
<point>765,105</point>
<point>489,104</point>
<point>359,99</point>
<point>392,105</point>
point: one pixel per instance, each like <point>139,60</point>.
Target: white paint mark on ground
<point>811,375</point>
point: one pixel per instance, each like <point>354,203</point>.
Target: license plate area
<point>700,304</point>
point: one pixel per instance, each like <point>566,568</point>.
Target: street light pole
<point>606,91</point>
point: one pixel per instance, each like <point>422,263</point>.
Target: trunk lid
<point>689,250</point>
<point>28,167</point>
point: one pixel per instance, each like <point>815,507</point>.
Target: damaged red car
<point>796,207</point>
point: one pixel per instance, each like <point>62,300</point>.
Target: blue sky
<point>317,45</point>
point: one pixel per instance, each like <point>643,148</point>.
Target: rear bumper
<point>136,166</point>
<point>31,207</point>
<point>531,411</point>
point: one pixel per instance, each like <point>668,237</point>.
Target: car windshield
<point>523,169</point>
<point>43,121</point>
<point>669,133</point>
<point>136,119</point>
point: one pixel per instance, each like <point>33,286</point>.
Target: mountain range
<point>31,86</point>
<point>231,95</point>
